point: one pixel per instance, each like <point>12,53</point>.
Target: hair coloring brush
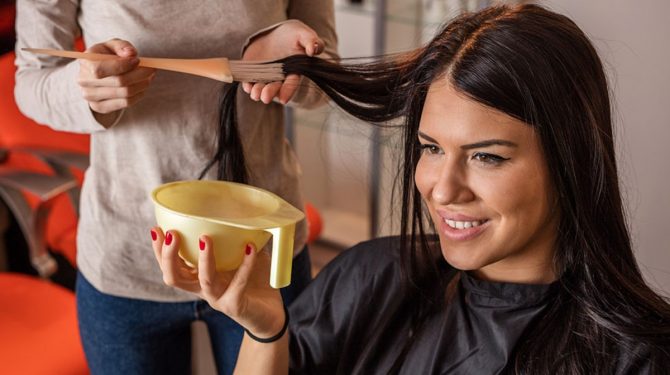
<point>218,68</point>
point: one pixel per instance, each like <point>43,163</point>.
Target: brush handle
<point>215,68</point>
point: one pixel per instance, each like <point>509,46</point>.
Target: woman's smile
<point>483,177</point>
<point>461,227</point>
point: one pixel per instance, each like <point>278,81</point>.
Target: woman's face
<point>483,176</point>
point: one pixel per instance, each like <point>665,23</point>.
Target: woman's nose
<point>451,186</point>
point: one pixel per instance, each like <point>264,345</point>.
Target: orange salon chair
<point>38,321</point>
<point>39,328</point>
<point>38,149</point>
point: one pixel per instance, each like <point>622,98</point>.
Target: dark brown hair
<point>539,67</point>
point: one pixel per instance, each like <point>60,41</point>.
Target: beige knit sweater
<point>169,135</point>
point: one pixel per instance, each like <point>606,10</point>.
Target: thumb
<point>121,48</point>
<point>310,42</point>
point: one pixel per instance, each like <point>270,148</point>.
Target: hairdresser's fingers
<point>288,88</point>
<point>256,91</point>
<point>312,45</point>
<point>95,70</point>
<point>270,91</point>
<point>119,47</point>
<point>246,86</point>
<point>95,94</point>
<point>307,39</point>
<point>111,105</point>
<point>129,78</point>
<point>126,62</point>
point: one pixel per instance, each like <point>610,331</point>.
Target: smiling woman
<point>485,182</point>
<point>527,266</point>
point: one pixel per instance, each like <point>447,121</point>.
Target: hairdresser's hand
<point>111,85</point>
<point>290,38</point>
<point>244,295</point>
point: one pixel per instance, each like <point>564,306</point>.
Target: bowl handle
<point>282,255</point>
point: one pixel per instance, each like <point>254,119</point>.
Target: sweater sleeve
<point>46,87</point>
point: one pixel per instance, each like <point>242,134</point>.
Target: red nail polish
<point>154,235</point>
<point>202,244</point>
<point>248,250</point>
<point>168,238</point>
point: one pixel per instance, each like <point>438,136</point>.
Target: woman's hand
<point>112,85</point>
<point>290,38</point>
<point>244,295</point>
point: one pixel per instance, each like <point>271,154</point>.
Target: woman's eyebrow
<point>480,144</point>
<point>426,137</point>
<point>488,143</point>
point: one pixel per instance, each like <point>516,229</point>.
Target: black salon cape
<point>474,333</point>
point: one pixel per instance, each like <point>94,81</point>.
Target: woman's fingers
<point>241,278</point>
<point>157,239</point>
<point>168,255</point>
<point>235,302</point>
<point>207,275</point>
<point>175,271</point>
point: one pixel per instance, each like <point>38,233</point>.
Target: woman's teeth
<point>463,224</point>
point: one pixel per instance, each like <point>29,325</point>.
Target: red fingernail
<point>248,250</point>
<point>202,244</point>
<point>168,239</point>
<point>154,235</point>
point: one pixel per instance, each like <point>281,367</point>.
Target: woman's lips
<point>459,227</point>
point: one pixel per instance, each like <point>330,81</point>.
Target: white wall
<point>633,39</point>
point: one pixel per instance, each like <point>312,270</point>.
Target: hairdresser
<point>150,127</point>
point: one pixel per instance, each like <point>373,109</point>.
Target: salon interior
<point>347,168</point>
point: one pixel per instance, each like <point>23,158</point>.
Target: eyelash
<point>482,157</point>
<point>487,158</point>
<point>427,148</point>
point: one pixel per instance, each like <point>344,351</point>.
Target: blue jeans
<point>132,336</point>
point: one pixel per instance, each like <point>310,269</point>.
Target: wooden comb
<point>218,68</point>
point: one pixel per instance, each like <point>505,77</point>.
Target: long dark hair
<point>539,67</point>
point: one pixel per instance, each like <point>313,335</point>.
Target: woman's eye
<point>491,159</point>
<point>429,149</point>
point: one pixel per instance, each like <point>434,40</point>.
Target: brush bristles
<point>243,71</point>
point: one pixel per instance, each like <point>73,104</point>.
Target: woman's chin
<point>463,262</point>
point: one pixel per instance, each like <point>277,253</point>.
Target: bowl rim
<point>284,214</point>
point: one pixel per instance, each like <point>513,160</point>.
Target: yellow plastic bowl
<point>233,215</point>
